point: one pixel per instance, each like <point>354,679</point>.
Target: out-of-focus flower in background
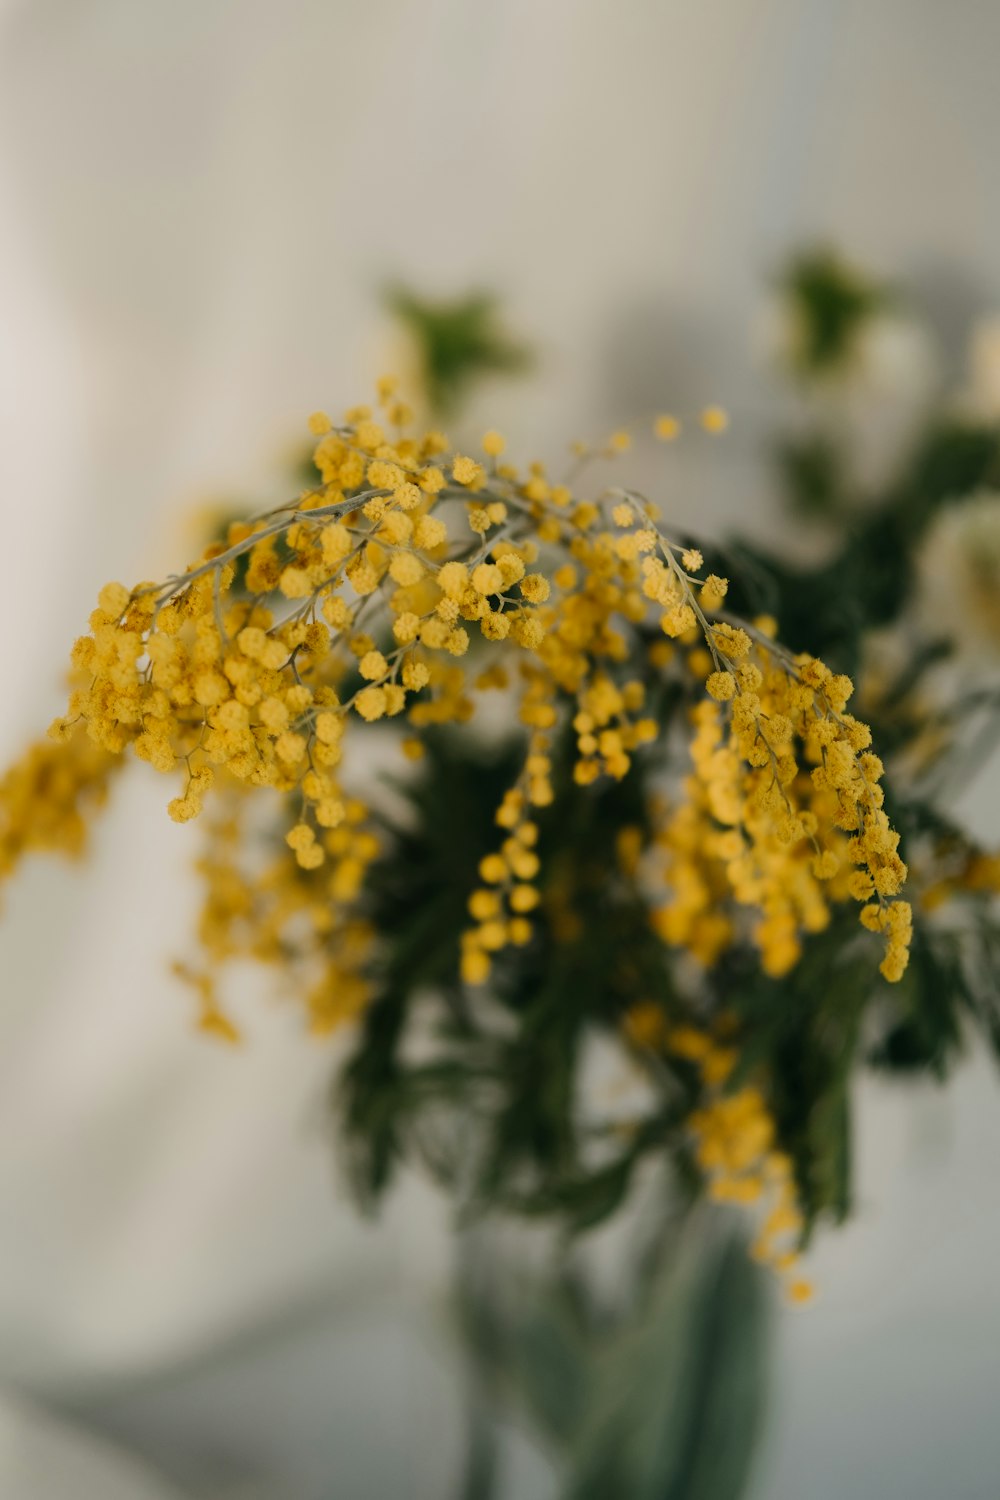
<point>861,366</point>
<point>982,396</point>
<point>960,574</point>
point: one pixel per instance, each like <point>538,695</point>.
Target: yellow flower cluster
<point>251,680</point>
<point>783,812</point>
<point>299,918</point>
<point>409,583</point>
<point>500,905</point>
<point>47,796</point>
<point>734,1136</point>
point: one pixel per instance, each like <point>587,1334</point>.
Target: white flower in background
<point>960,573</point>
<point>893,358</point>
<point>888,354</point>
<point>881,399</point>
<point>868,385</point>
<point>982,396</point>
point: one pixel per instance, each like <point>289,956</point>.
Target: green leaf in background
<point>677,1401</point>
<point>810,470</point>
<point>832,301</point>
<point>660,1399</point>
<point>528,1339</point>
<point>459,341</point>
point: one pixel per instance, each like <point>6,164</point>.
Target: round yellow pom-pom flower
<point>714,419</point>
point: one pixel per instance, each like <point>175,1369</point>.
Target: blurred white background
<point>199,202</point>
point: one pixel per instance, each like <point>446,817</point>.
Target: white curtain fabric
<point>45,1459</point>
<point>198,204</point>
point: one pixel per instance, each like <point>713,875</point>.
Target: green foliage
<point>459,341</point>
<point>665,1401</point>
<point>490,1100</point>
<point>434,851</point>
<point>494,1109</point>
<point>661,1399</point>
<point>810,470</point>
<point>677,1405</point>
<point>832,300</point>
<point>831,608</point>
